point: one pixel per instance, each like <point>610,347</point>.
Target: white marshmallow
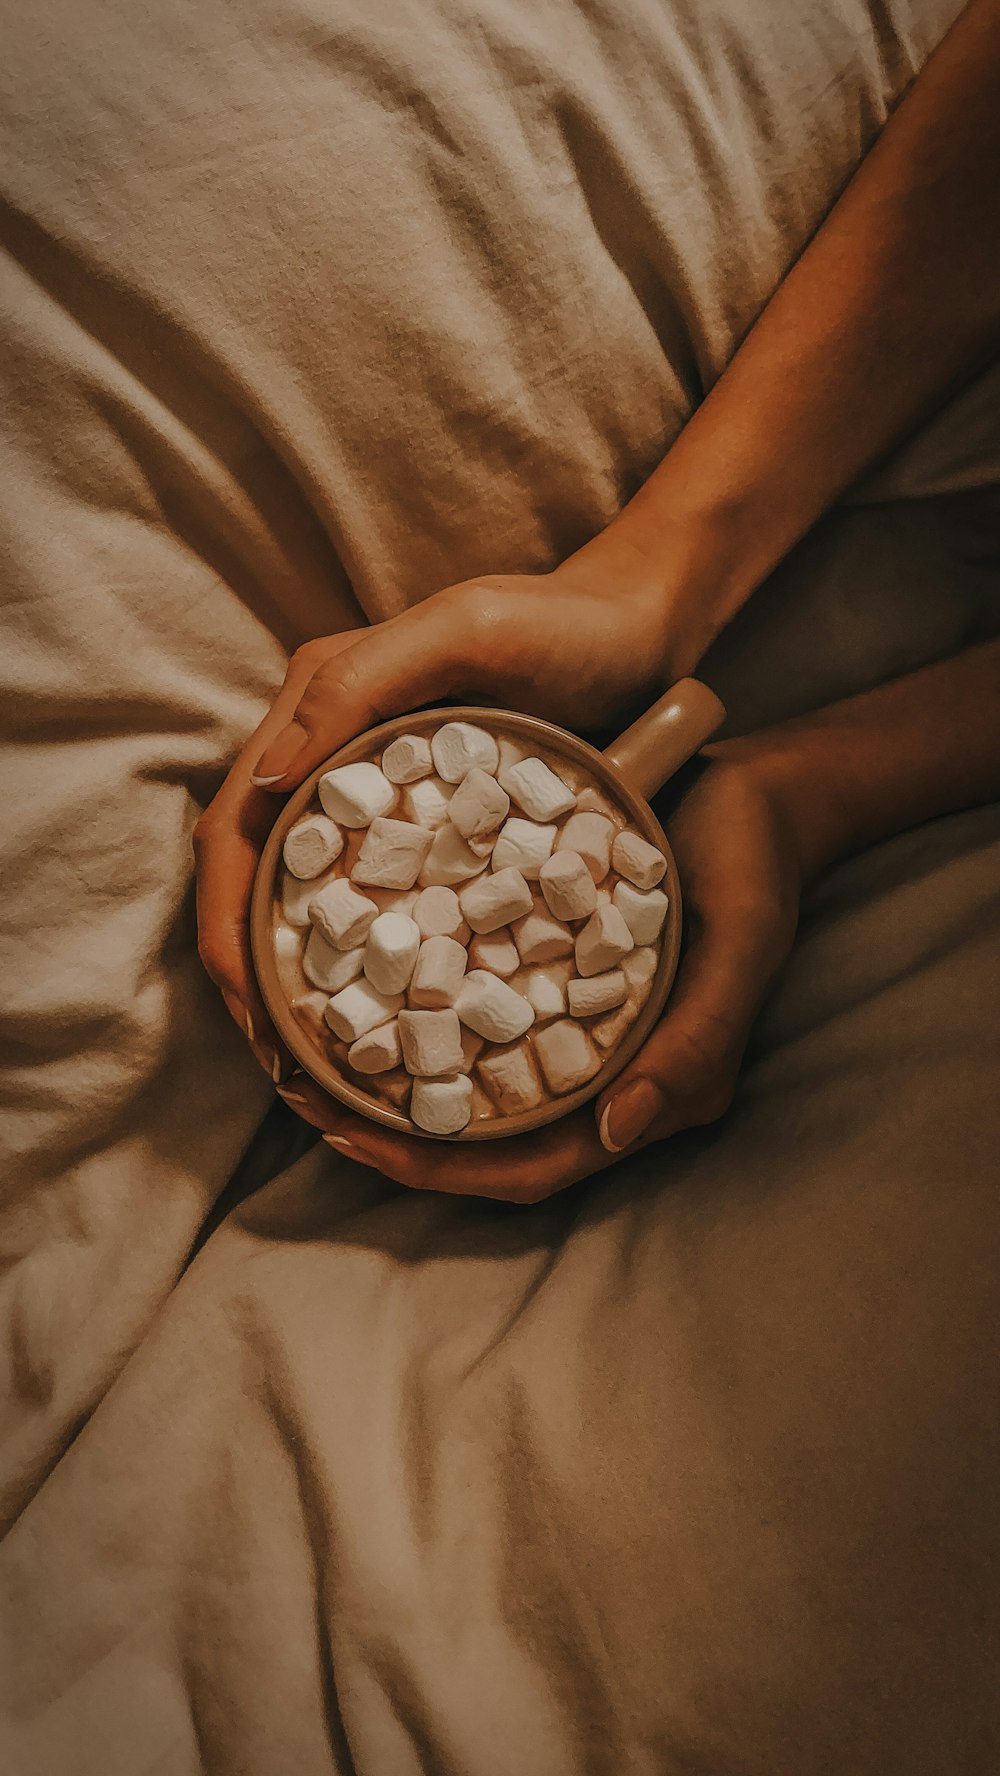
<point>342,914</point>
<point>296,899</point>
<point>639,862</point>
<point>593,801</point>
<point>312,845</point>
<point>510,1079</point>
<point>602,992</point>
<point>566,1056</point>
<point>496,953</point>
<point>392,854</point>
<point>458,746</point>
<point>359,1008</point>
<point>427,803</point>
<point>511,754</point>
<point>523,845</point>
<point>590,835</point>
<point>493,1009</point>
<point>438,975</point>
<point>287,943</point>
<point>545,991</point>
<point>328,967</point>
<point>643,913</point>
<point>391,951</point>
<point>432,1042</point>
<point>538,790</point>
<point>639,968</point>
<point>355,794</point>
<point>449,860</point>
<point>472,1048</point>
<point>377,1052</point>
<point>602,943</point>
<point>478,805</point>
<point>495,900</point>
<point>394,900</point>
<point>609,1031</point>
<point>483,847</point>
<point>407,758</point>
<point>441,1106</point>
<point>540,938</point>
<point>438,914</point>
<point>567,885</point>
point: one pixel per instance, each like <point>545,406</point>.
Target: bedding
<point>308,312</point>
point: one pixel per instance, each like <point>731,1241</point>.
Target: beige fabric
<point>308,311</point>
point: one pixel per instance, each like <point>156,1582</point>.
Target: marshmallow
<point>360,1008</point>
<point>545,991</point>
<point>328,967</point>
<point>472,1048</point>
<point>449,860</point>
<point>391,951</point>
<point>377,1052</point>
<point>496,953</point>
<point>478,804</point>
<point>392,854</point>
<point>510,1079</point>
<point>342,914</point>
<point>567,885</point>
<point>309,1009</point>
<point>540,938</point>
<point>602,943</point>
<point>608,1031</point>
<point>493,1009</point>
<point>523,845</point>
<point>312,845</point>
<point>640,863</point>
<point>407,758</point>
<point>287,943</point>
<point>639,968</point>
<point>590,835</point>
<point>537,790</point>
<point>355,794</point>
<point>427,803</point>
<point>432,1042</point>
<point>566,1056</point>
<point>458,746</point>
<point>438,975</point>
<point>483,847</point>
<point>296,898</point>
<point>602,992</point>
<point>511,754</point>
<point>438,914</point>
<point>592,801</point>
<point>643,913</point>
<point>495,900</point>
<point>441,1106</point>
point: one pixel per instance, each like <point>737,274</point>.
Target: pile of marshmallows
<point>480,925</point>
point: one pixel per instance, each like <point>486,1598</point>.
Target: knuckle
<point>309,655</point>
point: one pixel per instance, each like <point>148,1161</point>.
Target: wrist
<point>796,779</point>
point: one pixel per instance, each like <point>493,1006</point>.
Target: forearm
<point>895,301</point>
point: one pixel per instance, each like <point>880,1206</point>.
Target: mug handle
<point>666,736</point>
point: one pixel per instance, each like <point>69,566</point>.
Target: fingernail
<point>277,759</point>
<point>339,1141</point>
<point>248,1027</point>
<point>266,782</point>
<point>291,1097</point>
<point>629,1115</point>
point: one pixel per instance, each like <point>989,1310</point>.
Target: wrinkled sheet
<point>307,312</point>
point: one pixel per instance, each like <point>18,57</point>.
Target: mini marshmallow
<point>643,913</point>
<point>438,914</point>
<point>449,860</point>
<point>567,885</point>
<point>432,1042</point>
<point>312,845</point>
<point>609,1031</point>
<point>496,953</point>
<point>392,854</point>
<point>602,992</point>
<point>407,758</point>
<point>493,1009</point>
<point>602,943</point>
<point>510,1079</point>
<point>472,1048</point>
<point>590,835</point>
<point>537,790</point>
<point>540,938</point>
<point>495,900</point>
<point>342,914</point>
<point>438,975</point>
<point>360,1008</point>
<point>458,747</point>
<point>483,847</point>
<point>355,794</point>
<point>592,801</point>
<point>566,1056</point>
<point>545,991</point>
<point>328,967</point>
<point>478,804</point>
<point>511,754</point>
<point>639,968</point>
<point>427,803</point>
<point>441,1106</point>
<point>523,845</point>
<point>640,863</point>
<point>287,943</point>
<point>377,1052</point>
<point>391,951</point>
<point>296,899</point>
